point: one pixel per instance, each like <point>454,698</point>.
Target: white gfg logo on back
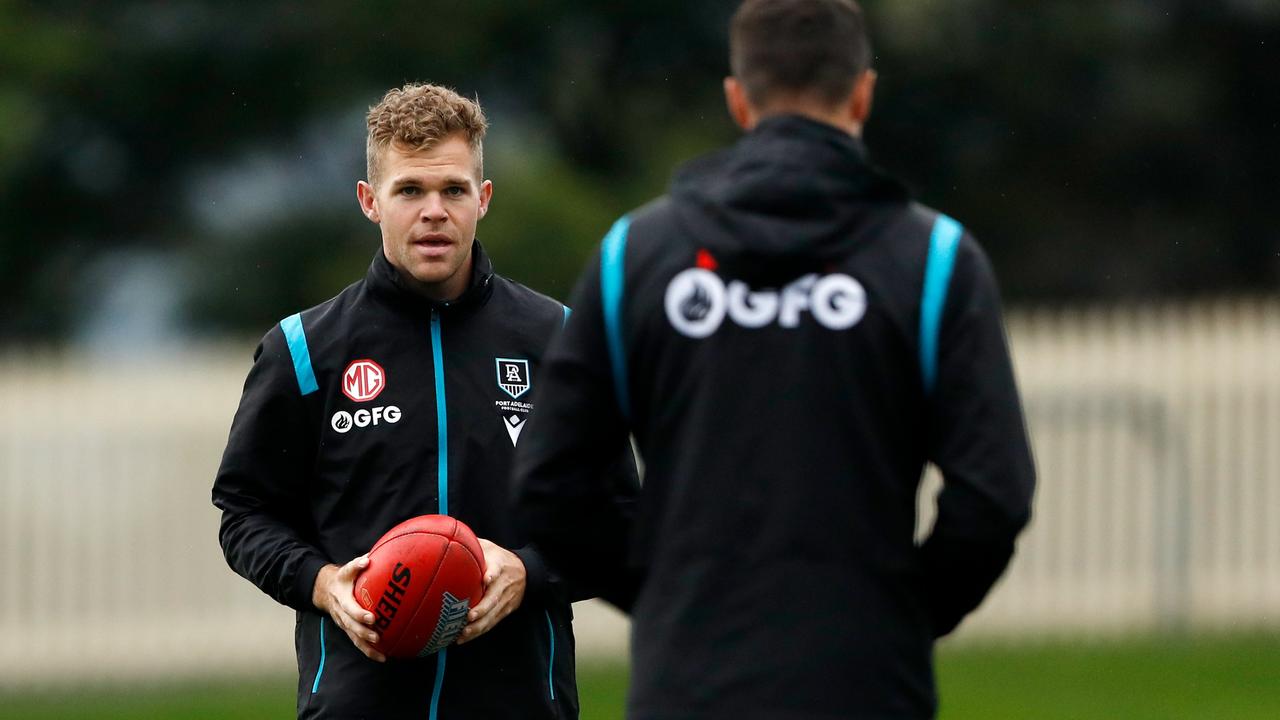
<point>698,301</point>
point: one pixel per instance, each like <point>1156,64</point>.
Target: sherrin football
<point>424,575</point>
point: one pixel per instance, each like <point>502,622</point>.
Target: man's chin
<point>435,279</point>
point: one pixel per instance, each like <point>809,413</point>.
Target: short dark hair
<point>798,47</point>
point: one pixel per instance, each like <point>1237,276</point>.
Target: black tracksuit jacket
<point>312,475</point>
<point>790,339</point>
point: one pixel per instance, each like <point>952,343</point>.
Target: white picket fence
<point>1156,431</point>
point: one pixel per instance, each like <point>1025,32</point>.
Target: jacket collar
<point>827,161</point>
<point>386,281</point>
<point>791,195</point>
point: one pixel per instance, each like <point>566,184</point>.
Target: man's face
<point>427,204</point>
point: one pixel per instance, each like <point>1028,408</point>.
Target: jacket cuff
<point>304,583</point>
<point>958,576</point>
<point>537,574</point>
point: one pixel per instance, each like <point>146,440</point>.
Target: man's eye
<point>455,190</point>
<point>409,190</point>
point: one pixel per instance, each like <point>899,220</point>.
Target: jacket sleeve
<point>977,437</point>
<point>261,484</point>
<point>544,580</point>
<point>575,478</point>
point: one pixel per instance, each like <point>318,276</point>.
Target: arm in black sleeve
<point>260,486</point>
<point>575,480</point>
<point>978,438</point>
<point>543,580</point>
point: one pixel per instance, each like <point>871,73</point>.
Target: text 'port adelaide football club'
<point>362,381</point>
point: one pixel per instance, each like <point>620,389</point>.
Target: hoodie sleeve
<point>575,479</point>
<point>977,437</point>
<point>260,485</point>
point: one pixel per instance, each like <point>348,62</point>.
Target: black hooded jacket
<point>790,339</point>
<point>374,407</point>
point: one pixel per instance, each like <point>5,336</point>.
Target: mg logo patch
<point>513,376</point>
<point>363,380</point>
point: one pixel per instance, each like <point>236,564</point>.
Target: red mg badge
<point>363,380</point>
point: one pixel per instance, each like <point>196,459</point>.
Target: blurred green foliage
<point>1100,149</point>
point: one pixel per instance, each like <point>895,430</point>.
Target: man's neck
<point>825,116</point>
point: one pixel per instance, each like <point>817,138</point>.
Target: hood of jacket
<point>791,196</point>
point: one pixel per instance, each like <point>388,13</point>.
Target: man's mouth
<point>434,240</point>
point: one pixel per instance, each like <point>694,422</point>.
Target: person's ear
<point>860,100</point>
<point>486,194</point>
<point>735,97</point>
<point>368,201</point>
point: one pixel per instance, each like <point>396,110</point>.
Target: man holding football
<point>790,339</point>
<point>405,395</point>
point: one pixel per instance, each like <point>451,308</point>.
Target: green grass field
<point>1194,678</point>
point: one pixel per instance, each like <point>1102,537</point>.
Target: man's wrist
<point>319,592</point>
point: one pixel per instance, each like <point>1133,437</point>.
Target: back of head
<point>798,49</point>
<point>416,117</point>
<point>792,195</point>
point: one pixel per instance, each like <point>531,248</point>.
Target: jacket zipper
<point>442,477</point>
<point>551,655</point>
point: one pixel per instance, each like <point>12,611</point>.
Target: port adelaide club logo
<point>513,378</point>
<point>362,381</point>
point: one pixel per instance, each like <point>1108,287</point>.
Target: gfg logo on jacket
<point>697,302</point>
<point>343,421</point>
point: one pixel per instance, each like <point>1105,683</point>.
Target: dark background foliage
<point>177,169</point>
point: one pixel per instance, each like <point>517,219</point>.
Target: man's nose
<point>433,210</point>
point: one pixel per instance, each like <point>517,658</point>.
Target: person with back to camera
<point>405,395</point>
<point>790,338</point>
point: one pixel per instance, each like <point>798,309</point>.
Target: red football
<point>424,575</point>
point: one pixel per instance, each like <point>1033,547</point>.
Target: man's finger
<point>475,629</point>
<point>368,650</point>
<point>357,630</point>
<point>485,606</point>
<point>356,611</point>
<point>360,630</point>
<point>367,635</point>
<point>485,615</point>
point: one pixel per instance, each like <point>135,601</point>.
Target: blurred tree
<point>1100,149</point>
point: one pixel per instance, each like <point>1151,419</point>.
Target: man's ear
<point>368,201</point>
<point>486,194</point>
<point>860,101</point>
<point>735,97</point>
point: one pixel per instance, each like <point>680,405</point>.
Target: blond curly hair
<point>417,116</point>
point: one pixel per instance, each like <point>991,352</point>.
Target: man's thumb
<point>353,568</point>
